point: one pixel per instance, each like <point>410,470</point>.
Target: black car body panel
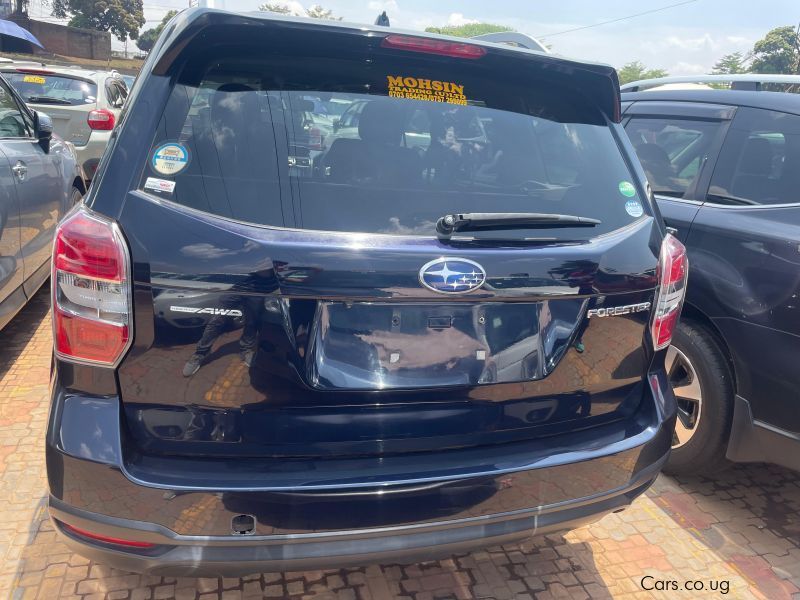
<point>744,279</point>
<point>323,385</point>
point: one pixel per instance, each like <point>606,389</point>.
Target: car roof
<point>778,101</point>
<point>78,71</point>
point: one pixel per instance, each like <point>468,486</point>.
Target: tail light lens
<point>673,269</point>
<point>101,119</point>
<point>91,289</point>
<point>432,46</point>
<point>316,140</point>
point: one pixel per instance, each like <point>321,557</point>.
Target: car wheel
<point>74,197</point>
<point>703,386</point>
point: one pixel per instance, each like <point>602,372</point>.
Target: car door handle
<point>20,170</point>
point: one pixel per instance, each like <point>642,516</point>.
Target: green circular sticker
<point>626,189</point>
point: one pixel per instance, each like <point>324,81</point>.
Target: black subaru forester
<point>343,294</point>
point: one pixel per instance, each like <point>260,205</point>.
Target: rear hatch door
<point>284,311</point>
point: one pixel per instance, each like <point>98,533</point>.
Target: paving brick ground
<point>739,532</point>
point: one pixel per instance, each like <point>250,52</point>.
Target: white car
<point>84,104</point>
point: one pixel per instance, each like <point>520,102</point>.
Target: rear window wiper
<point>450,224</point>
<point>47,100</point>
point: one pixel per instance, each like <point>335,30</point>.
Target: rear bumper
<point>324,514</point>
<point>91,152</point>
<point>198,556</point>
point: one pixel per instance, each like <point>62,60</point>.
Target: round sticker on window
<point>634,208</point>
<point>626,189</point>
<point>170,159</point>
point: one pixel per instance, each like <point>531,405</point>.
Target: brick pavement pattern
<point>741,529</point>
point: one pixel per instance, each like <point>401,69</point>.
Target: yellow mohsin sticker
<point>432,90</point>
<point>33,79</point>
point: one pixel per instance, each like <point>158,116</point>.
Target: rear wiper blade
<point>450,224</point>
<point>47,100</point>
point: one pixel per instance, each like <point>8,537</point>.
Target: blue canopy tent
<point>9,29</point>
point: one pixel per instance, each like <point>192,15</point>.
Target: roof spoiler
<point>743,81</point>
<point>596,82</point>
<point>512,38</point>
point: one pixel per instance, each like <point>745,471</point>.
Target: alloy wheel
<point>688,394</point>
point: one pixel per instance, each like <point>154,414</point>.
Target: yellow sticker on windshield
<point>33,79</point>
<point>432,90</point>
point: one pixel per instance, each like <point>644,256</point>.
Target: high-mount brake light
<point>673,270</point>
<point>91,289</point>
<point>101,119</point>
<point>34,71</point>
<point>432,46</point>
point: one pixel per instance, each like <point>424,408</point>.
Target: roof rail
<point>512,38</point>
<point>744,81</point>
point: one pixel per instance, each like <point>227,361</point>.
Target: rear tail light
<point>316,140</point>
<point>101,119</point>
<point>91,289</point>
<point>106,539</point>
<point>432,46</point>
<point>673,269</point>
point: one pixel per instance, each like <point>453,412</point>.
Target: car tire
<point>698,367</point>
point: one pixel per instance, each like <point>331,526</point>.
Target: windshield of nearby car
<point>50,88</point>
<point>246,144</point>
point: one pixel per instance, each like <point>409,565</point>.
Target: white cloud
<point>380,5</point>
<point>686,68</point>
<point>692,44</point>
<point>456,19</point>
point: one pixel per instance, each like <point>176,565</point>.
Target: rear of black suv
<point>341,295</point>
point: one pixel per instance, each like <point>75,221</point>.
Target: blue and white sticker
<point>634,208</point>
<point>170,159</point>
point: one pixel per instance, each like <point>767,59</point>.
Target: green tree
<point>635,70</point>
<point>777,52</point>
<point>147,39</point>
<point>730,64</point>
<point>315,11</point>
<point>123,18</point>
<point>468,30</point>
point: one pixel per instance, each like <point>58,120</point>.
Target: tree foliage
<point>777,52</point>
<point>635,70</point>
<point>730,64</point>
<point>468,29</point>
<point>315,11</point>
<point>147,39</point>
<point>123,18</point>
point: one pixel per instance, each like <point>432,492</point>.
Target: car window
<point>12,122</point>
<point>760,160</point>
<point>245,143</point>
<point>671,150</point>
<point>45,88</point>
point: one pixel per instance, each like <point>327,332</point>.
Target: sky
<point>686,39</point>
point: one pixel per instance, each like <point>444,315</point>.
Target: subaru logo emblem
<point>452,275</point>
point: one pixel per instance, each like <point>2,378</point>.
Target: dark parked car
<point>724,165</point>
<point>405,352</point>
<point>40,181</point>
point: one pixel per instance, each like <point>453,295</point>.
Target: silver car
<point>84,104</point>
<point>40,179</point>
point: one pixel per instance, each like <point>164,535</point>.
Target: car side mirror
<point>43,129</point>
<point>336,124</point>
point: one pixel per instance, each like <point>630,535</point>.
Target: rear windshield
<point>385,149</point>
<point>53,89</point>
